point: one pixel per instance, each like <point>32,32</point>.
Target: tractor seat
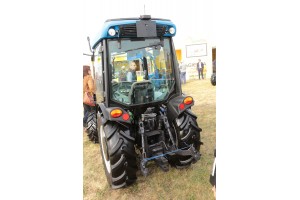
<point>141,92</point>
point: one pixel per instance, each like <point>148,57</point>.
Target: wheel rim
<point>104,148</point>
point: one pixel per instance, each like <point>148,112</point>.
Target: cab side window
<point>98,63</point>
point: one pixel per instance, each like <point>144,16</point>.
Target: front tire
<point>188,134</point>
<point>118,154</point>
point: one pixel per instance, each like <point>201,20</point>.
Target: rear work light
<point>112,32</point>
<point>188,100</point>
<point>172,30</point>
<point>115,113</point>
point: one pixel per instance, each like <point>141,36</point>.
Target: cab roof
<point>130,23</point>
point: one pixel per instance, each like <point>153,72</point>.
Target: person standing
<point>88,86</point>
<point>131,74</point>
<point>199,68</point>
<point>201,72</point>
<point>182,68</point>
<point>156,79</point>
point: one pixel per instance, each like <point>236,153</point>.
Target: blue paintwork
<point>103,34</point>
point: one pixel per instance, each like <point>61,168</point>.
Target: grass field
<point>190,183</point>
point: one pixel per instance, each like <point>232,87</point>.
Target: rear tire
<point>92,127</point>
<point>188,133</point>
<point>118,154</point>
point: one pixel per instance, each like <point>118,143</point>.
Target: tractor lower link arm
<point>143,163</point>
<point>167,126</point>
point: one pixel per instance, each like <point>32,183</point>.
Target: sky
<point>192,18</point>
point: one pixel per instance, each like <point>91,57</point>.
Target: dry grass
<point>191,183</point>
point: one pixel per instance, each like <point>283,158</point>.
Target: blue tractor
<point>141,115</point>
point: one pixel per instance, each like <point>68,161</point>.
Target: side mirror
<point>88,39</point>
<point>85,54</point>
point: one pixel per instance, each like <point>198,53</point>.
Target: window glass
<point>141,71</point>
<point>98,75</point>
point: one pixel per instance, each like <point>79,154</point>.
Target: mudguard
<point>173,107</point>
<point>106,113</point>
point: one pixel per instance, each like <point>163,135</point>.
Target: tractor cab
<point>146,44</point>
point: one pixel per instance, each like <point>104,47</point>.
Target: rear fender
<point>173,107</point>
<point>106,114</point>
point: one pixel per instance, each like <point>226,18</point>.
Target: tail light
<point>115,113</point>
<point>181,106</point>
<point>125,116</point>
<point>188,100</point>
